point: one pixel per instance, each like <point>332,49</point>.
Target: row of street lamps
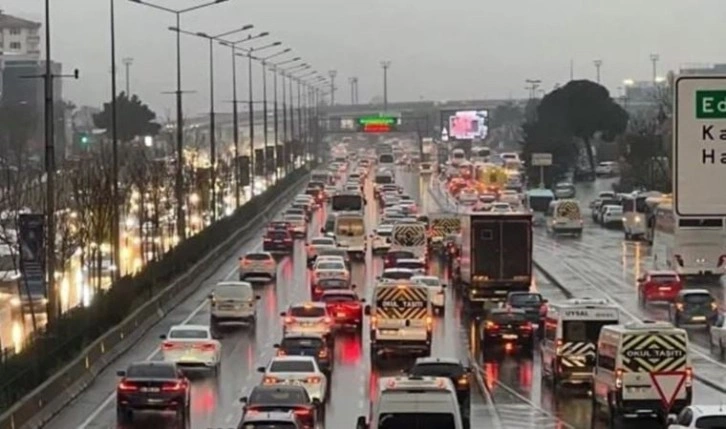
<point>296,71</point>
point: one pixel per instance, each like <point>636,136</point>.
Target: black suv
<point>308,345</point>
<point>452,369</point>
<point>281,398</point>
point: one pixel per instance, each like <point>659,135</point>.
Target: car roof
<point>431,359</point>
<point>694,292</point>
<point>661,273</point>
<point>308,305</point>
<point>292,359</point>
<point>189,327</point>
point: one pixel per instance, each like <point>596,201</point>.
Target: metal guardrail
<point>48,399</point>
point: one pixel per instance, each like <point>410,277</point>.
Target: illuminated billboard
<point>465,124</point>
<point>377,123</point>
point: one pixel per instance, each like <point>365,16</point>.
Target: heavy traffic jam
<point>468,251</point>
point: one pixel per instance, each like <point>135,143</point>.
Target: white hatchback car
<point>330,269</point>
<point>436,290</point>
<point>257,267</point>
<point>381,239</point>
<point>192,346</point>
<point>699,416</point>
<point>296,370</point>
<point>307,318</point>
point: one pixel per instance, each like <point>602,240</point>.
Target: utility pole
<point>332,74</point>
<point>654,59</point>
<point>572,70</point>
<point>598,64</point>
<point>385,65</point>
<point>353,81</point>
<point>53,301</point>
<point>357,100</point>
<point>127,63</point>
<point>533,84</point>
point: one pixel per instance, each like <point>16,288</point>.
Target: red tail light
<point>125,386</point>
<point>246,262</point>
<point>267,240</point>
<point>166,346</point>
<point>206,347</point>
<point>269,380</point>
<point>318,291</point>
<point>313,380</point>
<point>289,320</point>
<point>689,377</point>
<point>527,326</point>
<point>303,412</point>
<point>281,353</point>
<point>173,387</point>
<point>328,320</point>
<point>288,240</point>
<point>679,259</point>
<point>491,326</point>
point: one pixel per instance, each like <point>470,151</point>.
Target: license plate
<point>389,332</point>
<point>340,314</point>
<point>509,336</point>
<point>150,389</point>
<point>666,288</point>
<point>699,318</point>
<point>226,307</point>
<point>277,241</point>
<point>154,401</point>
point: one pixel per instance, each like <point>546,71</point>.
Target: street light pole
<point>598,64</point>
<point>212,131</point>
<point>275,69</point>
<point>264,121</point>
<point>179,185</point>
<point>116,197</point>
<point>53,302</point>
<point>250,106</point>
<point>385,65</point>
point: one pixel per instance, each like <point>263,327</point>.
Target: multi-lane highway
<point>215,401</point>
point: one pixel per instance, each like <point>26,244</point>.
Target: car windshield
<point>233,292</point>
<point>397,275</point>
<point>323,242</point>
<point>292,366</point>
<point>330,265</point>
<point>400,254</point>
<point>507,317</point>
<point>384,232</point>
<point>663,278</point>
<point>339,297</point>
<point>417,420</point>
<point>414,265</point>
<point>332,284</point>
<point>711,422</point>
<point>438,369</point>
<point>278,235</point>
<point>312,311</point>
<point>583,331</point>
<point>144,370</point>
<point>298,343</point>
<point>333,252</point>
<point>525,299</point>
<point>269,425</point>
<point>257,257</point>
<point>278,396</point>
<point>697,298</point>
<point>188,334</point>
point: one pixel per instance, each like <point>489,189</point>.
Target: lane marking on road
<point>98,410</point>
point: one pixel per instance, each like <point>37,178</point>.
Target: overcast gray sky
<point>456,49</point>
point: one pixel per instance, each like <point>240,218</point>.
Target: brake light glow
<point>269,380</point>
<point>313,380</point>
<point>689,376</point>
<point>173,387</point>
<point>679,306</point>
<point>166,346</point>
<point>318,291</point>
<point>374,322</point>
<point>429,322</point>
<point>721,260</point>
<point>127,387</point>
<point>207,347</point>
<point>323,353</point>
<point>302,412</point>
<point>328,320</point>
<point>619,378</point>
<point>463,381</point>
<point>527,326</point>
<point>558,349</point>
<point>491,325</point>
<point>281,353</point>
<point>246,262</point>
<point>289,320</point>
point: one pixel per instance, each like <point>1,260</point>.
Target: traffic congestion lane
<point>521,395</point>
<point>242,353</point>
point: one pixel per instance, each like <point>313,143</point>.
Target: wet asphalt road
<point>600,264</point>
<point>215,400</point>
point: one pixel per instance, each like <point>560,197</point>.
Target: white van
<point>564,217</point>
<point>569,343</point>
<point>350,233</point>
<point>637,362</point>
<point>414,402</point>
<point>232,302</point>
<point>411,236</point>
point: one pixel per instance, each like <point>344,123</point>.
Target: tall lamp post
<point>250,105</point>
<point>275,67</point>
<point>286,141</point>
<point>263,62</point>
<point>212,121</point>
<point>299,80</point>
<point>179,185</point>
<point>235,109</point>
<point>386,65</point>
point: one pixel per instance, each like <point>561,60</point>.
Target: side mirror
<point>261,369</point>
<point>277,346</point>
<point>210,296</point>
<point>363,300</point>
<point>316,401</point>
<point>283,314</point>
<point>671,420</point>
<point>162,336</point>
<point>443,285</point>
<point>243,400</point>
<point>468,370</point>
<point>641,279</point>
<point>545,301</point>
<point>257,297</point>
<point>121,373</point>
<point>322,230</point>
<point>367,310</point>
<point>353,287</point>
<point>361,423</point>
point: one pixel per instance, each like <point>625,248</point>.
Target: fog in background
<point>457,49</point>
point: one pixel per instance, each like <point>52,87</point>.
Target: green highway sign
<point>379,123</point>
<point>699,145</point>
<point>378,119</point>
<point>711,104</point>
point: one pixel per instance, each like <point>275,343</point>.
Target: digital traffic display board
<point>377,123</point>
